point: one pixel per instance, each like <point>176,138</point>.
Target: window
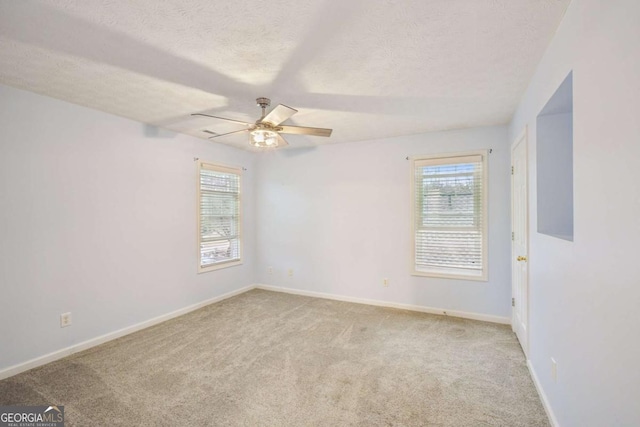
<point>450,216</point>
<point>219,230</point>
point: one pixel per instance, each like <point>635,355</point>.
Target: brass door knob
<point>521,258</point>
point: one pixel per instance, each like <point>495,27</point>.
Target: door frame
<point>523,138</point>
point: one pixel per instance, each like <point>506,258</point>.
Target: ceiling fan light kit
<point>263,138</point>
<point>265,132</point>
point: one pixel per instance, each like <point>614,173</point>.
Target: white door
<point>520,241</point>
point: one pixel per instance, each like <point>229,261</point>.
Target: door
<point>520,241</point>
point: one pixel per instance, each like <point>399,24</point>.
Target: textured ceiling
<point>367,69</point>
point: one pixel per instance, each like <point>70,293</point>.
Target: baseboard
<point>543,396</point>
<point>59,354</point>
<point>422,309</point>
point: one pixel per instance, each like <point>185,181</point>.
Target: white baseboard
<point>422,309</point>
<point>543,396</point>
<point>59,354</point>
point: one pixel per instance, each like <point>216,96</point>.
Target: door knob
<point>521,258</point>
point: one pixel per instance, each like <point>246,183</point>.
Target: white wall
<point>585,294</point>
<point>98,218</point>
<point>339,216</point>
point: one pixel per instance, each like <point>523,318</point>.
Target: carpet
<point>273,359</point>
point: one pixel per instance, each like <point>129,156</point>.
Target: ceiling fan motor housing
<point>263,102</point>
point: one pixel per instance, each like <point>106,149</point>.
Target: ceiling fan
<point>265,132</point>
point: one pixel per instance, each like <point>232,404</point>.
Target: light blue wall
<point>340,217</point>
<point>555,175</point>
<point>584,295</point>
<point>98,219</point>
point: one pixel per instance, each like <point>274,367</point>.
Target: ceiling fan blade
<point>279,115</point>
<point>302,130</point>
<point>228,133</point>
<point>281,141</point>
<point>222,118</point>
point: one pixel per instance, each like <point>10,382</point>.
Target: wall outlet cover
<point>65,320</point>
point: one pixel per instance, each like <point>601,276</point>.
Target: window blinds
<point>449,214</point>
<point>219,215</point>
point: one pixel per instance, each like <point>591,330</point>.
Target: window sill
<point>219,266</point>
<point>482,278</point>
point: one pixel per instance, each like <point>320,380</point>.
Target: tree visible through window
<point>219,216</point>
<point>449,216</point>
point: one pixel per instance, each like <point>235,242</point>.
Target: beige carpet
<point>272,359</point>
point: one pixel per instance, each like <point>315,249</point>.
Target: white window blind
<point>219,231</point>
<point>450,216</point>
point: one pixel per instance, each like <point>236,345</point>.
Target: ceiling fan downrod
<point>263,103</point>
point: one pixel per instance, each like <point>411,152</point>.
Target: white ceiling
<point>367,69</point>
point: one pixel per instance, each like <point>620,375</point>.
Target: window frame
<point>485,216</point>
<point>224,169</point>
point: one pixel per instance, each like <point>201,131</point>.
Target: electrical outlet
<point>65,320</point>
<point>554,370</point>
<point>290,272</point>
<point>385,282</point>
<point>270,270</point>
